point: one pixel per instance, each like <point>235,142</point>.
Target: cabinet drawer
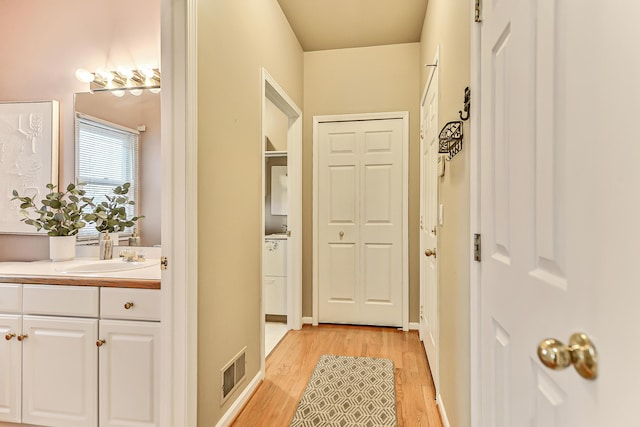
<point>10,298</point>
<point>51,300</point>
<point>135,304</point>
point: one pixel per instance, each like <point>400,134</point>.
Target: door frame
<point>273,92</point>
<point>432,74</point>
<point>179,327</point>
<point>475,267</point>
<point>317,120</point>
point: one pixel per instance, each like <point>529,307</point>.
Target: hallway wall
<point>235,39</point>
<point>447,25</point>
<point>362,80</point>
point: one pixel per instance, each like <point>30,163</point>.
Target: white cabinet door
<point>129,373</point>
<point>59,371</point>
<point>10,368</point>
<point>275,295</point>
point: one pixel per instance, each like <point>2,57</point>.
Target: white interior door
<point>559,212</point>
<point>360,217</point>
<point>429,307</point>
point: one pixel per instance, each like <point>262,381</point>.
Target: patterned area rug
<point>349,392</point>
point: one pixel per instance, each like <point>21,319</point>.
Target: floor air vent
<point>233,374</point>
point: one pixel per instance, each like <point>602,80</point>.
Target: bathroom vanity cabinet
<point>275,276</point>
<point>79,356</point>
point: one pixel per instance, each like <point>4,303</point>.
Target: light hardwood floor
<point>290,365</point>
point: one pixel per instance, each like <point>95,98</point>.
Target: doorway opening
<point>282,213</point>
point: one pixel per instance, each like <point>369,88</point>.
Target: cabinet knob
<point>9,336</point>
<point>128,305</point>
<point>22,337</point>
<point>99,343</point>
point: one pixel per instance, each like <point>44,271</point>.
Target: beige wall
<point>235,39</point>
<point>43,43</point>
<point>362,80</point>
<point>447,24</point>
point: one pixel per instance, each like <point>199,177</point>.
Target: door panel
<point>378,264</point>
<point>360,222</point>
<point>342,266</point>
<point>342,207</point>
<point>536,247</point>
<point>378,187</point>
<point>60,362</point>
<point>429,307</point>
<point>129,372</point>
<point>10,368</point>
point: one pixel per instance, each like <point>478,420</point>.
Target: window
<point>106,156</point>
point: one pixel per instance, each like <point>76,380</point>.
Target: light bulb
<point>155,90</point>
<point>119,93</point>
<point>126,73</point>
<point>105,74</point>
<point>136,92</point>
<point>147,72</point>
<point>84,76</point>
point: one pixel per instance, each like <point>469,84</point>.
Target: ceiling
<point>339,24</point>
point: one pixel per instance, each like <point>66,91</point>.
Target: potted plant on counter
<point>110,216</point>
<point>60,215</point>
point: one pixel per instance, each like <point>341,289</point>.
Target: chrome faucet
<point>131,256</point>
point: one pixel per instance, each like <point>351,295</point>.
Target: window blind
<point>106,156</point>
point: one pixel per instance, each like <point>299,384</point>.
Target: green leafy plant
<point>60,213</point>
<point>111,215</point>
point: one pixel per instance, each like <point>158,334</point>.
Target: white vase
<point>62,248</point>
<point>114,237</point>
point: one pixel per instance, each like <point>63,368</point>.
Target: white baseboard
<point>307,321</point>
<point>443,413</point>
<point>414,326</point>
<point>242,400</point>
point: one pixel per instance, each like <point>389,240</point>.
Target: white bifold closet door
<point>360,190</point>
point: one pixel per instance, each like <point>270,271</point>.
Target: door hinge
<point>477,247</point>
<point>478,18</point>
<point>164,263</point>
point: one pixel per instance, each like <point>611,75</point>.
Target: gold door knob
<point>341,234</point>
<point>22,337</point>
<point>430,252</point>
<point>9,336</point>
<point>580,352</point>
<point>128,305</point>
<point>99,343</point>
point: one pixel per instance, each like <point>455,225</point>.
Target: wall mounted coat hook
<point>467,103</point>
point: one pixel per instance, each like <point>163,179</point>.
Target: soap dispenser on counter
<point>134,240</point>
<point>106,247</point>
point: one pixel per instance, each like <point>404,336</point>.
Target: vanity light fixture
<point>121,80</point>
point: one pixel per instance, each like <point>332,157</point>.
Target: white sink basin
<point>106,267</point>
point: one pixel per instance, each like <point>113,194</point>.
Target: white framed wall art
<point>29,133</point>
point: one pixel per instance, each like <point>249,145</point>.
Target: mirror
<point>140,113</point>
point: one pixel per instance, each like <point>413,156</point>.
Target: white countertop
<point>149,269</point>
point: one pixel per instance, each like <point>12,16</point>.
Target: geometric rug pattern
<point>348,392</point>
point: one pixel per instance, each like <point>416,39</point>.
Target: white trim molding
<point>403,115</point>
<point>240,402</point>
<point>474,225</point>
<point>179,219</point>
<point>273,92</point>
<point>443,412</point>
